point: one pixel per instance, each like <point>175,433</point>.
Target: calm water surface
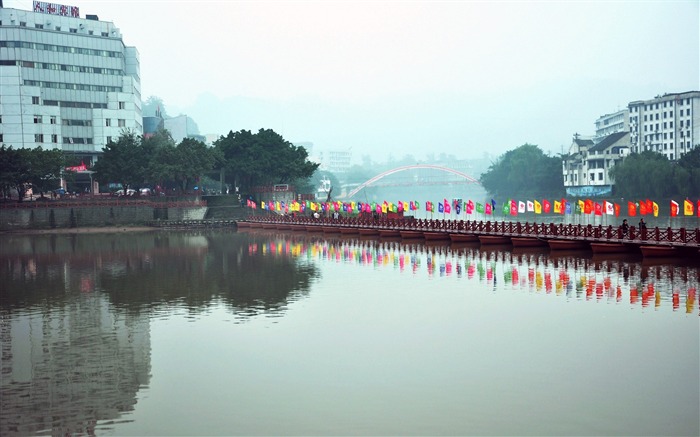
<point>225,333</point>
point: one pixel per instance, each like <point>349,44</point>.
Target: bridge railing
<point>589,232</point>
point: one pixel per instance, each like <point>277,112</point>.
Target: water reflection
<point>76,313</point>
<point>577,275</point>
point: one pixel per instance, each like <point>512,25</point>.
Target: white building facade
<point>668,124</point>
<point>66,82</point>
<point>611,123</point>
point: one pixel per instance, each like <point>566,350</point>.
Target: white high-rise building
<point>668,124</point>
<point>66,82</point>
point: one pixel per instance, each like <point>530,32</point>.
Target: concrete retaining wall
<point>72,217</point>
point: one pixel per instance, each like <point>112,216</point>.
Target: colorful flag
<point>650,206</point>
<point>674,208</point>
<point>656,208</point>
<point>557,207</point>
<point>538,207</point>
<point>642,208</point>
<point>506,207</point>
<point>598,209</point>
<point>568,208</point>
<point>479,208</point>
<point>580,206</point>
<point>631,209</point>
<point>609,208</point>
<point>588,206</point>
<point>441,207</point>
<point>617,210</point>
<point>521,207</point>
<point>546,206</point>
<point>447,207</point>
<point>513,207</point>
<point>470,207</point>
<point>530,206</point>
<point>458,208</point>
<point>698,208</point>
<point>688,207</point>
<point>489,208</point>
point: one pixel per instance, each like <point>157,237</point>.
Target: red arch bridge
<point>453,177</point>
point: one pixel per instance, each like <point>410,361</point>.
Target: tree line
<point>527,172</point>
<point>135,161</point>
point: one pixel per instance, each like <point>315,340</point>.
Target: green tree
<point>46,167</point>
<point>192,159</point>
<point>524,172</point>
<point>123,162</point>
<point>263,158</point>
<point>21,168</point>
<point>646,174</point>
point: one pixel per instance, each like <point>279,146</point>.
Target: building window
<point>1,138</point>
<point>37,119</point>
<point>35,100</point>
<point>108,122</point>
<point>54,139</point>
<point>121,122</point>
<point>39,26</point>
<point>58,28</point>
<point>74,31</point>
<point>53,119</point>
<point>109,140</point>
<point>122,105</point>
<point>105,34</point>
<point>38,138</point>
<point>22,24</point>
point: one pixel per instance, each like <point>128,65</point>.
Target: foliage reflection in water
<point>90,325</point>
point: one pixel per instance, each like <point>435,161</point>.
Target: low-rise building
<point>587,167</point>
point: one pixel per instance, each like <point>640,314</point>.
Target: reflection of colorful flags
<point>688,207</point>
<point>674,208</point>
<point>631,209</point>
<point>538,207</point>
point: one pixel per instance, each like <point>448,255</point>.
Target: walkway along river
<point>655,242</point>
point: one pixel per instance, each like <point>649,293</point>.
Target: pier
<point>656,242</point>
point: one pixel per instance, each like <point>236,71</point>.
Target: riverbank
<point>85,230</point>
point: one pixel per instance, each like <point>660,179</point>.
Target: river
<point>267,333</point>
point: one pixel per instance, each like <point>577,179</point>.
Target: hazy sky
<point>407,77</point>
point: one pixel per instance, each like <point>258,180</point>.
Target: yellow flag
<point>656,209</point>
<point>538,207</point>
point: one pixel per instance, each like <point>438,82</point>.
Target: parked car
<point>129,192</point>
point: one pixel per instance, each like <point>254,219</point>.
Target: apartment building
<point>67,82</point>
<point>668,124</point>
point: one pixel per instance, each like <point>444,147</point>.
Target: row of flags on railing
<point>510,207</point>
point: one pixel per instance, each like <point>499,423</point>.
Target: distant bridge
<point>464,178</point>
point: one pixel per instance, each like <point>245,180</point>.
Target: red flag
<point>546,206</point>
<point>698,208</point>
<point>650,206</point>
<point>598,209</point>
<point>588,206</point>
<point>674,208</point>
<point>513,207</point>
<point>617,210</point>
<point>642,207</point>
<point>631,209</point>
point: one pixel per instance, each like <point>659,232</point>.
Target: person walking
<point>625,228</point>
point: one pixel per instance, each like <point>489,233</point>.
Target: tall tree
<point>263,158</point>
<point>122,161</point>
<point>524,172</point>
<point>46,168</point>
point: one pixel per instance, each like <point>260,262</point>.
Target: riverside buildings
<point>668,124</point>
<point>67,82</point>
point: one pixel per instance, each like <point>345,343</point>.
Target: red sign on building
<point>56,9</point>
